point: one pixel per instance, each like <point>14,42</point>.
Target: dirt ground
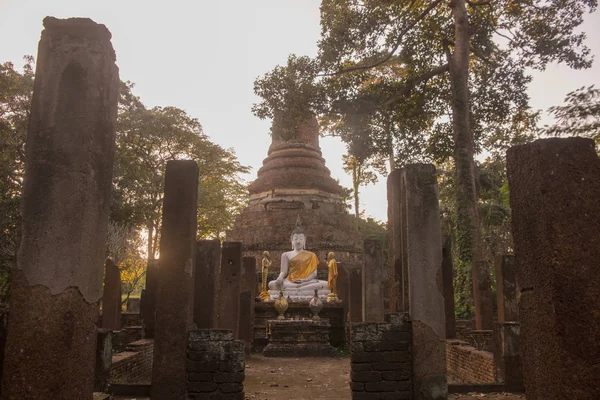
<point>313,379</point>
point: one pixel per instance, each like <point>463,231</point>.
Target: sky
<point>204,55</point>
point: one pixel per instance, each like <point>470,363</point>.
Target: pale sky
<point>203,56</point>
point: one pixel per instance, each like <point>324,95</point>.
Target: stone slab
<point>206,283</point>
<point>175,300</point>
<point>555,201</point>
<point>229,287</point>
<point>57,281</point>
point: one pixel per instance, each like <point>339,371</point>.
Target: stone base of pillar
<point>508,362</point>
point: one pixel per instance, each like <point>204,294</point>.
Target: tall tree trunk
<point>355,185</point>
<point>469,231</point>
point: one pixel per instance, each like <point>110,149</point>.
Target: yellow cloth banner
<point>302,265</point>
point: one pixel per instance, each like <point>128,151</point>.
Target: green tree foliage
<point>363,172</point>
<point>580,116</point>
<point>446,77</point>
<point>289,96</point>
<point>15,98</point>
<point>124,245</point>
<point>146,140</point>
<point>495,220</point>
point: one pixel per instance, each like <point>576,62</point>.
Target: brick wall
<point>134,365</point>
<point>380,359</point>
<point>466,364</point>
<point>129,334</point>
<point>215,365</point>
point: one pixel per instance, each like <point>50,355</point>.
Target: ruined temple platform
<point>298,338</point>
<point>265,311</point>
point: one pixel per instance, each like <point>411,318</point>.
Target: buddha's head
<point>330,255</point>
<point>298,238</point>
<point>298,241</point>
<point>266,254</point>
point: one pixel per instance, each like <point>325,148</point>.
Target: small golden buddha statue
<point>332,279</point>
<point>266,263</point>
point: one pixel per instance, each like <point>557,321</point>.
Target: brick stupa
<point>294,181</point>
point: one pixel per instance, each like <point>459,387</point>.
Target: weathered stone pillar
<point>555,202</point>
<point>343,288</point>
<point>398,273</point>
<point>507,290</point>
<point>448,284</point>
<point>508,362</point>
<point>482,296</point>
<point>111,298</point>
<point>103,360</point>
<point>421,254</point>
<point>247,293</point>
<point>229,287</point>
<point>355,288</point>
<point>208,259</point>
<point>57,282</point>
<point>372,278</point>
<point>148,298</point>
<point>175,300</point>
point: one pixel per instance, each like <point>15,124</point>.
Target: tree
<point>494,209</point>
<point>16,89</point>
<point>146,140</point>
<point>363,172</point>
<point>467,61</point>
<point>580,116</point>
<point>124,246</point>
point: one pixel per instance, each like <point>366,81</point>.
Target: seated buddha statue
<point>298,276</point>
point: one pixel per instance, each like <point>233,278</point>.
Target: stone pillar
<point>103,360</point>
<point>372,279</point>
<point>508,363</point>
<point>506,289</point>
<point>175,300</point>
<point>421,254</point>
<point>229,287</point>
<point>148,298</point>
<point>343,288</point>
<point>448,284</point>
<point>57,282</point>
<point>482,296</point>
<point>247,294</point>
<point>208,259</point>
<point>555,202</point>
<point>355,287</point>
<point>397,276</point>
<point>111,298</point>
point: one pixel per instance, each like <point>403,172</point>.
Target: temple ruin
<point>292,182</point>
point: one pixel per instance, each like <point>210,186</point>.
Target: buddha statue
<point>298,276</point>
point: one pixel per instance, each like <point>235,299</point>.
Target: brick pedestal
<point>215,365</point>
<point>380,359</point>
